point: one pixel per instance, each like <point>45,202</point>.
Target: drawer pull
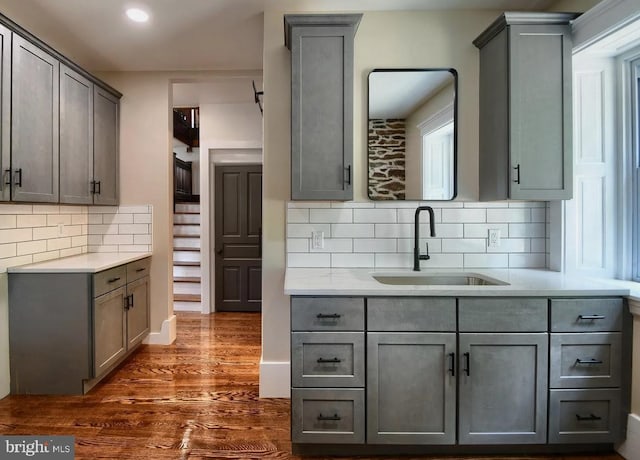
<point>330,316</point>
<point>331,418</point>
<point>113,280</point>
<point>588,361</point>
<point>588,418</point>
<point>140,270</point>
<point>466,368</point>
<point>452,364</point>
<point>591,317</point>
<point>332,360</point>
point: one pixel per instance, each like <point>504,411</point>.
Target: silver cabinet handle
<point>590,317</point>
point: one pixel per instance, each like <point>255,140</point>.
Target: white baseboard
<point>275,379</point>
<point>167,334</point>
<point>630,448</point>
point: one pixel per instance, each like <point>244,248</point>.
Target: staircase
<point>186,257</point>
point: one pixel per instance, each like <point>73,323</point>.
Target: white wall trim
<point>604,18</point>
<point>275,379</point>
<point>437,120</point>
<point>630,448</point>
<point>167,334</point>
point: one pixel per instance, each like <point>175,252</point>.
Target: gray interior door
<point>5,112</point>
<point>238,237</point>
<point>411,388</point>
<point>76,137</point>
<point>503,388</point>
<point>34,123</point>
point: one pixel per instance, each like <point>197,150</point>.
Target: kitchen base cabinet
<point>458,376</point>
<point>68,330</point>
<point>503,388</point>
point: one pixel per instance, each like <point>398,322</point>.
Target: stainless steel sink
<point>440,279</point>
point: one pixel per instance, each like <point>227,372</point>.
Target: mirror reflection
<point>412,134</point>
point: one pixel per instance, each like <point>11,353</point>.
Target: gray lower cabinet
<point>68,330</point>
<point>411,388</point>
<point>34,123</point>
<point>525,107</point>
<point>503,388</point>
<point>321,104</point>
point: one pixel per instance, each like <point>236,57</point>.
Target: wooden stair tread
<point>187,279</point>
<point>186,212</point>
<point>180,263</point>
<point>181,248</point>
<point>187,297</point>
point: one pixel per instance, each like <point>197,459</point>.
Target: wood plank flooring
<point>195,399</point>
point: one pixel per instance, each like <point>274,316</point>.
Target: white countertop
<point>84,263</point>
<point>522,282</point>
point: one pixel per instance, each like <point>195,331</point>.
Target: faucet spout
<point>417,257</point>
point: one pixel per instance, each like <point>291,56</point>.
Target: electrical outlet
<point>317,240</point>
<point>494,238</point>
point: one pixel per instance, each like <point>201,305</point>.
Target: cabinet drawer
<point>327,416</point>
<point>109,280</point>
<point>404,314</point>
<point>514,314</point>
<point>584,416</point>
<point>586,315</point>
<point>585,360</point>
<point>138,269</point>
<point>327,314</point>
<point>327,359</point>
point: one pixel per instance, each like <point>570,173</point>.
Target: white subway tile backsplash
<point>464,215</point>
<point>308,204</point>
<point>297,216</point>
<point>335,245</point>
<point>486,260</point>
<point>381,234</point>
<point>7,221</point>
<point>374,216</point>
<point>308,260</point>
<point>464,245</point>
<point>43,232</point>
<point>304,230</point>
<point>482,230</point>
<point>297,245</point>
<point>509,215</point>
<point>375,245</point>
<point>331,216</point>
<point>352,260</point>
<point>351,230</point>
<point>527,260</point>
<point>527,230</point>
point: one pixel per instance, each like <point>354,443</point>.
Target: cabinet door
<point>322,112</point>
<point>5,112</point>
<point>503,388</point>
<point>76,137</point>
<point>34,123</point>
<point>137,311</point>
<point>109,330</point>
<point>106,119</point>
<point>540,108</point>
<point>411,388</point>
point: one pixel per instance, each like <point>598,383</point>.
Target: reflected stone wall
<point>387,143</point>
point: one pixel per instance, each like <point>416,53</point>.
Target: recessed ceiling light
<point>137,15</point>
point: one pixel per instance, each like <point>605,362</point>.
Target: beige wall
<point>384,39</point>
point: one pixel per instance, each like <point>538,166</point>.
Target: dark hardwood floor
<point>195,399</point>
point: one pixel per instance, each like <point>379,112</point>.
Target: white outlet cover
<point>494,238</point>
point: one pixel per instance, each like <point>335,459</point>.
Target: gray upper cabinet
<point>321,105</point>
<point>106,126</point>
<point>5,112</point>
<point>525,107</point>
<point>76,137</point>
<point>34,123</point>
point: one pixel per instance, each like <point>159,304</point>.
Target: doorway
<point>238,237</point>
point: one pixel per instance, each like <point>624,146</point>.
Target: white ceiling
<point>189,34</point>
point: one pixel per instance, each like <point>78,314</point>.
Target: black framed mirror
<point>412,134</point>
